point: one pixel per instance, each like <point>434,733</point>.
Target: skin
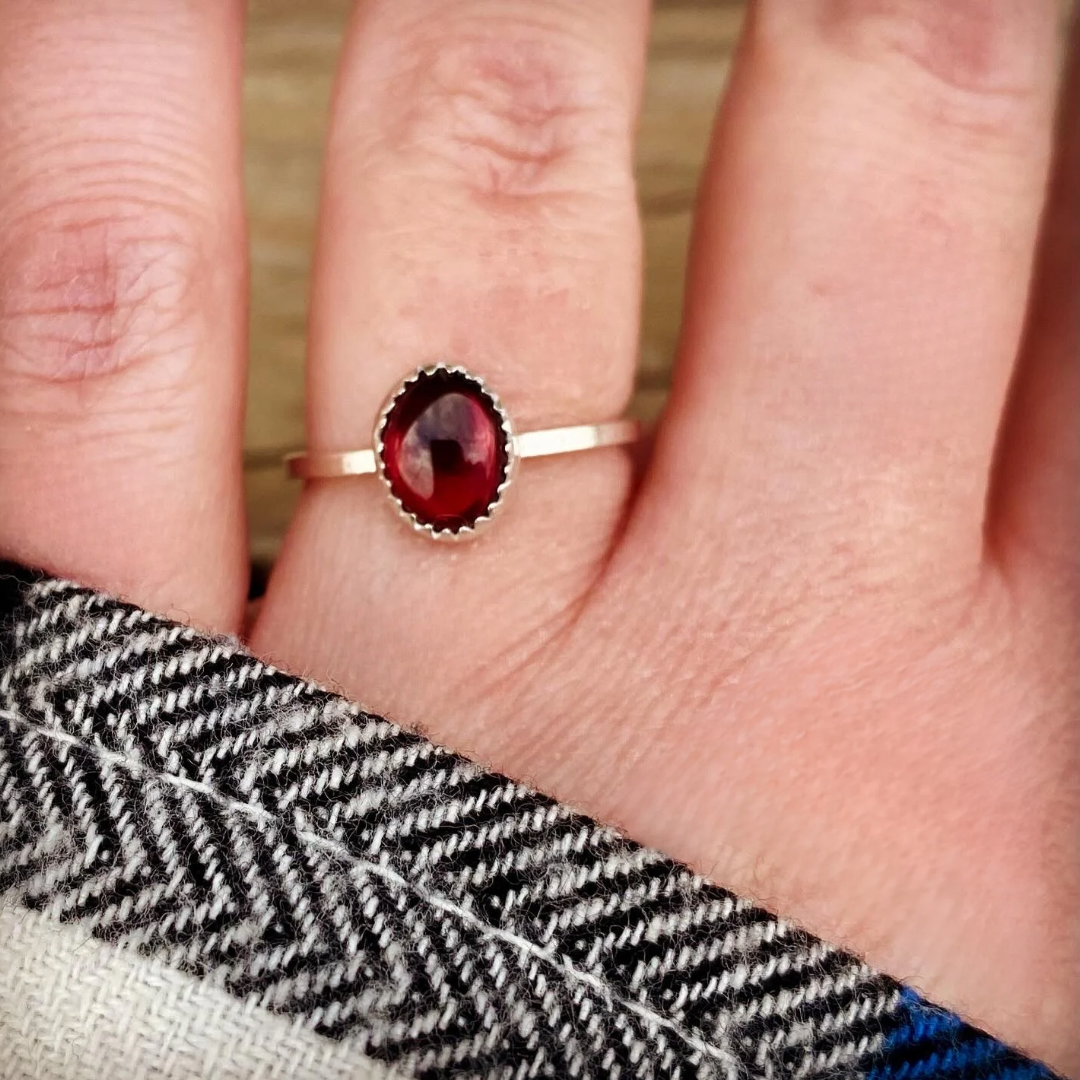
<point>821,644</point>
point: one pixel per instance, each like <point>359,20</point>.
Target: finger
<point>1036,522</point>
<point>122,298</point>
<point>859,282</point>
<point>478,207</point>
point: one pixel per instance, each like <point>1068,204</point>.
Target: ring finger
<point>478,207</point>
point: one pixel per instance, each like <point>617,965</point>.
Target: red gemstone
<point>444,450</point>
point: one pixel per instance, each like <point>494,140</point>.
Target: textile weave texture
<point>178,799</point>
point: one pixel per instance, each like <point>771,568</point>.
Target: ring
<point>447,452</point>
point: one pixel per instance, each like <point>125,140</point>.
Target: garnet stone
<point>444,449</point>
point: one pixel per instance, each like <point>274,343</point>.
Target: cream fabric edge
<point>75,1008</point>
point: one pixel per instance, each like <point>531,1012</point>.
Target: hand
<point>825,649</point>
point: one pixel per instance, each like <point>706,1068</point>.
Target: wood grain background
<point>291,52</point>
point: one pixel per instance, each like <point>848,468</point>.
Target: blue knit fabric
<point>929,1043</point>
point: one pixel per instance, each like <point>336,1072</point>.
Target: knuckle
<point>90,290</point>
<point>511,112</point>
<point>972,64</point>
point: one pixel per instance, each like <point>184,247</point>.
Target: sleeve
<point>209,867</point>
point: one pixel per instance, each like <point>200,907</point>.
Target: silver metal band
<point>327,465</point>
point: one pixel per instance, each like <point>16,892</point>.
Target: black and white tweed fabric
<point>206,814</point>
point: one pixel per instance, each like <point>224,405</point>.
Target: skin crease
<point>820,642</point>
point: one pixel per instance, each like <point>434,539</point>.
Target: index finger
<point>122,278</point>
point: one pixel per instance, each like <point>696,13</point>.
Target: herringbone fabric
<point>177,797</point>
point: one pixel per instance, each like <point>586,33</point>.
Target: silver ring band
<point>331,464</point>
<point>447,452</point>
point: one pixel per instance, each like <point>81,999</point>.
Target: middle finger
<point>478,208</point>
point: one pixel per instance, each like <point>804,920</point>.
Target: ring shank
<point>329,465</point>
<point>529,444</point>
<point>569,440</point>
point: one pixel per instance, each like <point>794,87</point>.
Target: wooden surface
<point>291,52</point>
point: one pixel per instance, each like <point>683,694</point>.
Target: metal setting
<point>466,531</point>
<point>548,442</point>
